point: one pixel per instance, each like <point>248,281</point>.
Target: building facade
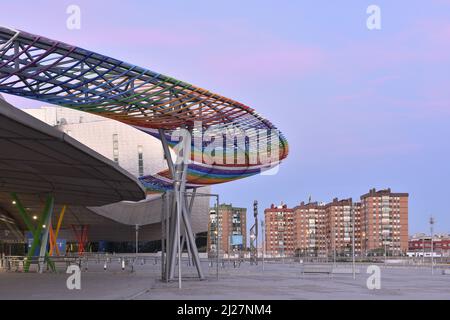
<point>342,216</point>
<point>279,231</point>
<point>229,229</point>
<point>379,223</point>
<point>310,230</point>
<point>420,245</point>
<point>384,222</point>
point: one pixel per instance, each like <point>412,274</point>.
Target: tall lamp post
<point>334,243</point>
<point>217,251</point>
<point>218,235</point>
<point>353,241</point>
<point>263,242</point>
<point>423,250</point>
<point>252,240</point>
<point>432,222</point>
<point>137,238</point>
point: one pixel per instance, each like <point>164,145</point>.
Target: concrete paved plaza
<point>278,281</point>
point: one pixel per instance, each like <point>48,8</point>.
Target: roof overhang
<point>37,159</point>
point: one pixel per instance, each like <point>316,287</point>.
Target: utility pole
<point>254,236</point>
<point>334,242</point>
<point>423,249</point>
<point>432,222</point>
<point>217,238</point>
<point>137,239</point>
<point>263,241</point>
<point>353,241</point>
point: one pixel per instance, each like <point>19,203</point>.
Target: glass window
<point>141,160</point>
<point>116,148</point>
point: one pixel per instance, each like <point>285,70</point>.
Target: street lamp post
<point>263,243</point>
<point>137,238</point>
<point>432,221</point>
<point>353,241</point>
<point>218,238</point>
<point>252,239</point>
<point>334,244</point>
<point>217,251</point>
<point>423,250</point>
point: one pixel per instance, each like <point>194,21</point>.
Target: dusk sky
<point>361,109</point>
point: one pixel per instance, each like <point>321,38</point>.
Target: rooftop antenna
<point>432,222</point>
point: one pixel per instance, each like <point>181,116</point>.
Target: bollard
<point>123,264</point>
<point>105,266</point>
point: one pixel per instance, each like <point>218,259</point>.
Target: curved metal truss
<point>38,68</point>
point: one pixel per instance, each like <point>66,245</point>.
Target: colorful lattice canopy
<point>51,71</point>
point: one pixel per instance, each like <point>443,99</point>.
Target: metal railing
<point>125,261</point>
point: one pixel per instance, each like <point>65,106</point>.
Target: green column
<point>36,232</point>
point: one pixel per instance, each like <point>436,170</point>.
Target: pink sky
<point>360,108</point>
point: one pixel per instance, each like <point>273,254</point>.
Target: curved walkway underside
<point>37,159</point>
<point>50,71</point>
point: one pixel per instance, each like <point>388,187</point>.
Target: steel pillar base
<point>176,216</point>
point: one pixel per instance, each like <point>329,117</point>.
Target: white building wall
<point>97,133</point>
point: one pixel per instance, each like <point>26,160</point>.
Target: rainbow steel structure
<point>54,72</point>
<point>34,67</point>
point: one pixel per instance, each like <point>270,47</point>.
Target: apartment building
<point>310,230</point>
<point>420,245</point>
<point>384,216</point>
<point>339,227</point>
<point>231,224</point>
<point>279,231</point>
<point>317,230</point>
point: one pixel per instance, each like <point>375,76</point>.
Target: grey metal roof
<point>37,159</point>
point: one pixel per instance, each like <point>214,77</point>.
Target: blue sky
<point>360,108</point>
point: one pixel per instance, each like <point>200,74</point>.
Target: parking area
<point>276,281</point>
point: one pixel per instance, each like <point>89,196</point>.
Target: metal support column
<point>137,238</point>
<point>263,234</point>
<point>353,241</point>
<point>44,240</point>
<point>178,213</point>
<point>36,231</point>
<point>163,235</point>
<point>218,237</point>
